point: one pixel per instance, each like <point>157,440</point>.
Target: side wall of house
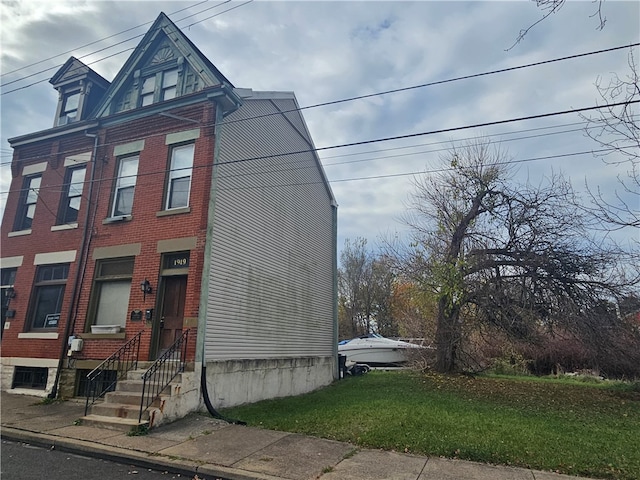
<point>270,327</point>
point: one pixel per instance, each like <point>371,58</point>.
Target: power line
<point>440,82</point>
<point>423,172</point>
<point>442,130</point>
<point>365,142</point>
<point>9,153</point>
<point>109,47</point>
<point>93,43</point>
<point>398,137</point>
<point>372,177</point>
<point>404,147</point>
<point>280,112</point>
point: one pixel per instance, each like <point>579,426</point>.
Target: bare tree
<point>549,7</point>
<point>513,256</point>
<point>617,129</point>
<point>354,261</point>
<point>365,292</point>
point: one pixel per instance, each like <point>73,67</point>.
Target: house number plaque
<point>180,260</point>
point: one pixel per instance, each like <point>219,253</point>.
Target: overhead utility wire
<point>107,48</point>
<point>93,43</point>
<point>412,135</point>
<point>351,179</point>
<point>100,50</point>
<point>365,142</point>
<point>432,132</point>
<point>428,144</point>
<point>438,82</point>
<point>419,172</point>
<point>415,145</point>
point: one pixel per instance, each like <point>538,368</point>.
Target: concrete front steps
<point>120,409</point>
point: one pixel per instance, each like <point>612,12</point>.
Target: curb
<point>130,457</point>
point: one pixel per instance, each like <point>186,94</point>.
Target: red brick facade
<point>145,228</point>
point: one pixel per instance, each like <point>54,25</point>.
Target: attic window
<point>147,91</point>
<point>158,87</point>
<point>69,112</point>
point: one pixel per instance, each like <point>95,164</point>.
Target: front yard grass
<point>566,427</point>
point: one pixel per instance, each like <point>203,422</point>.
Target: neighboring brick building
<point>150,190</point>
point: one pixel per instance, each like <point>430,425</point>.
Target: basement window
<point>106,382</point>
<point>30,377</point>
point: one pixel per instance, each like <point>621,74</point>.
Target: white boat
<point>376,350</point>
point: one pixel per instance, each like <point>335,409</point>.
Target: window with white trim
<point>28,200</point>
<point>159,86</point>
<point>69,112</point>
<point>125,186</point>
<point>48,295</point>
<point>71,195</point>
<point>179,178</point>
<point>111,289</point>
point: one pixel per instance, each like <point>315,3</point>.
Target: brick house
<point>164,202</point>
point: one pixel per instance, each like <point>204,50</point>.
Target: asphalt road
<point>21,461</point>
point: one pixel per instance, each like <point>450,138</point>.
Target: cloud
<point>327,51</point>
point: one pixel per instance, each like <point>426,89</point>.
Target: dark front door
<point>172,314</point>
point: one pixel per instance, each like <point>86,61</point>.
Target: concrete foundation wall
<point>236,382</point>
<point>184,399</point>
<point>7,371</point>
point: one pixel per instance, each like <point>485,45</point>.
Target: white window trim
<point>65,226</point>
<point>39,335</point>
<point>19,233</point>
<point>78,159</point>
<point>11,262</point>
<point>117,187</point>
<point>33,169</point>
<point>171,177</point>
<point>51,258</point>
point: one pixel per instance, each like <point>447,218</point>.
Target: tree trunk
<point>447,336</point>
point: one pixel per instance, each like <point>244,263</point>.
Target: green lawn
<point>567,427</point>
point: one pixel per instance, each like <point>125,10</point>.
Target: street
<point>21,461</point>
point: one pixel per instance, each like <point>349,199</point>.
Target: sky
<point>335,50</point>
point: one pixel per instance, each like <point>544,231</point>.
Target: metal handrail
<point>121,361</point>
<point>162,372</point>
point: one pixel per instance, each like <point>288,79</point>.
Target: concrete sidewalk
<point>213,449</point>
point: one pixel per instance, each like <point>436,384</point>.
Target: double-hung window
<point>125,186</point>
<point>71,195</point>
<point>111,289</point>
<point>28,200</point>
<point>169,85</point>
<point>158,87</point>
<point>179,181</point>
<point>147,91</point>
<point>69,111</point>
<point>48,295</point>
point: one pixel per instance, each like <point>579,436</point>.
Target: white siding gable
<point>271,283</point>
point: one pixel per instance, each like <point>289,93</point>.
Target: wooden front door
<point>172,313</point>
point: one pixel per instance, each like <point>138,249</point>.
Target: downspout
<point>76,281</point>
<point>334,267</point>
<point>204,284</point>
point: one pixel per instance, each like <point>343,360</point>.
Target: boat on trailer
<point>376,351</point>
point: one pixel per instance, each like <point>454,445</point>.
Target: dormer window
<point>158,87</point>
<point>69,111</point>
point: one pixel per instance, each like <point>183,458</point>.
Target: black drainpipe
<point>203,375</point>
<point>76,281</point>
<point>207,401</point>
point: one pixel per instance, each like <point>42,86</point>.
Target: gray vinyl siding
<point>270,292</point>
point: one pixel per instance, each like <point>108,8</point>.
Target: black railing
<point>104,377</point>
<point>163,371</point>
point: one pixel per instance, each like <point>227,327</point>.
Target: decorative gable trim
<point>164,48</point>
